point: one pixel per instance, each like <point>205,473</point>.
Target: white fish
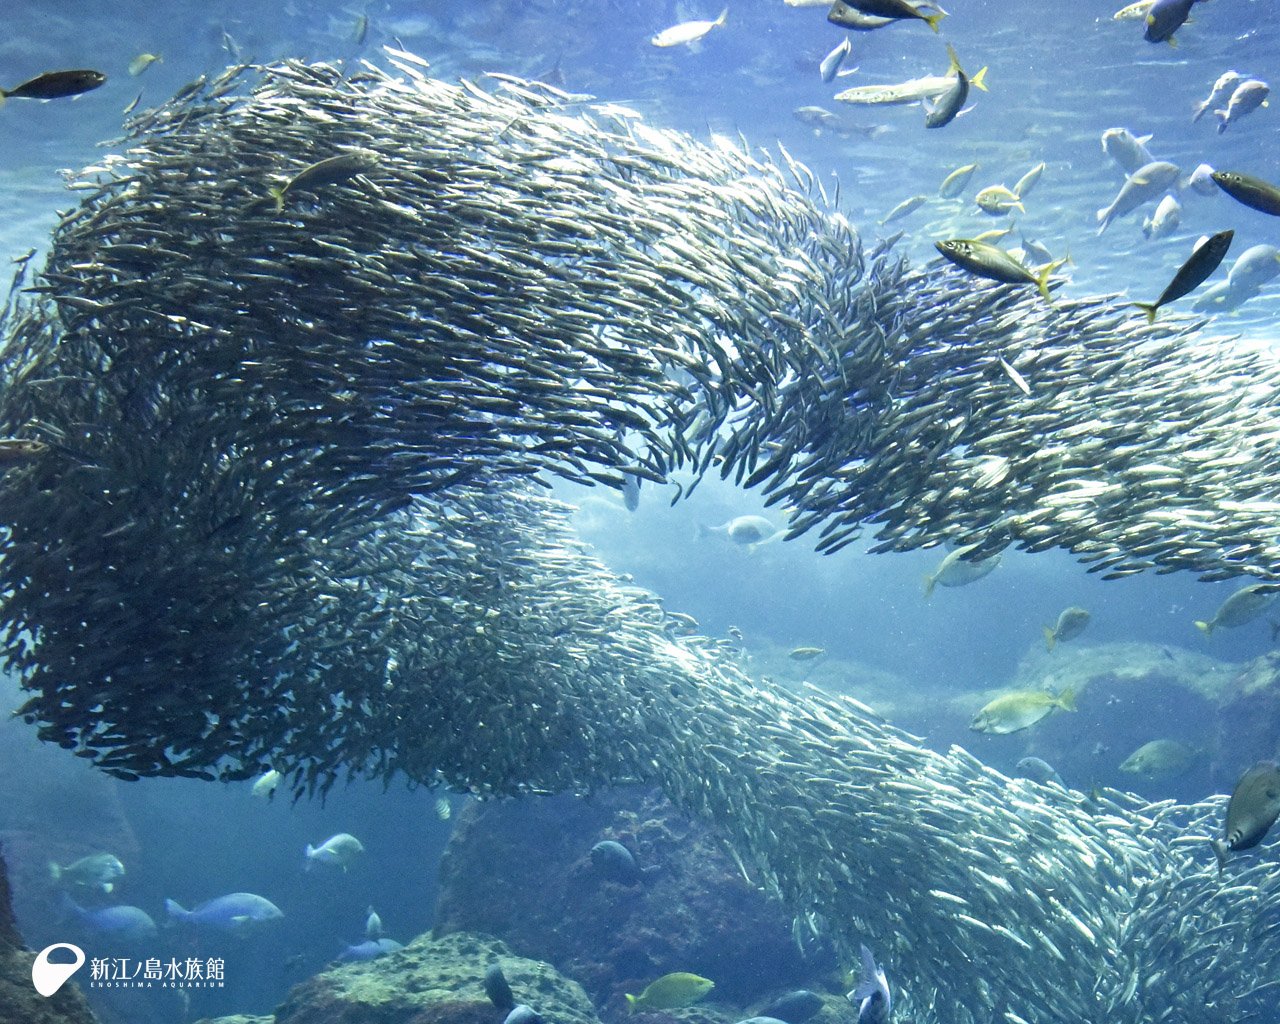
<point>913,90</point>
<point>956,571</point>
<point>265,784</point>
<point>1143,185</point>
<point>1202,181</point>
<point>1028,181</point>
<point>749,530</point>
<point>1254,267</point>
<point>871,996</point>
<point>687,31</point>
<point>903,208</point>
<point>630,491</point>
<point>337,851</point>
<point>832,62</point>
<point>1165,220</point>
<point>1249,95</point>
<point>1126,149</point>
<point>1222,90</point>
<point>953,184</point>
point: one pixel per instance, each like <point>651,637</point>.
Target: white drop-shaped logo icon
<point>47,977</point>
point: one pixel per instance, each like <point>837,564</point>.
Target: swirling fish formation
<point>281,509</point>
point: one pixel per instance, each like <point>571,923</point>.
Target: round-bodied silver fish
<point>1071,623</point>
<point>1253,809</point>
<point>1242,607</point>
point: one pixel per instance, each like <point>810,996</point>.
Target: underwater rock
<point>697,914</point>
<point>20,1003</point>
<point>433,981</point>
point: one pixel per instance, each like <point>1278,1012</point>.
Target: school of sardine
<point>284,509</point>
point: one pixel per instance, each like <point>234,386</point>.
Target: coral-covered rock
<point>20,1003</point>
<point>523,871</point>
<point>430,981</point>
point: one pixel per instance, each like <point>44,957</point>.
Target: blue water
<point>1059,74</point>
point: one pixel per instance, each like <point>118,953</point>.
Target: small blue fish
<point>130,924</point>
<point>369,949</point>
<point>236,912</point>
<point>871,996</point>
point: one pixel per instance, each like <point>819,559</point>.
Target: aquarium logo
<point>49,977</point>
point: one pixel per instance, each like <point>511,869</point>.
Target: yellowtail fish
<point>898,10</point>
<point>993,263</point>
<point>1202,262</point>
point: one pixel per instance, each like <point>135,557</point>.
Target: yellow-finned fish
<point>326,172</point>
<point>1015,711</point>
<point>1159,759</point>
<point>993,263</point>
<point>1245,605</point>
<point>1134,12</point>
<point>1070,624</point>
<point>914,90</point>
<point>956,571</point>
<point>141,62</point>
<point>1252,810</point>
<point>997,200</point>
<point>671,991</point>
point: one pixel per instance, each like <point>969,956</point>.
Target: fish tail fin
<point>723,17</point>
<point>1222,116</point>
<point>1197,111</point>
<point>1150,309</point>
<point>3,96</point>
<point>1050,637</point>
<point>978,79</point>
<point>631,1003</point>
<point>1042,278</point>
<point>929,583</point>
<point>1205,627</point>
<point>1220,850</point>
<point>1067,699</point>
<point>278,195</point>
<point>55,870</point>
<point>1018,204</point>
<point>700,532</point>
<point>933,19</point>
<point>175,910</point>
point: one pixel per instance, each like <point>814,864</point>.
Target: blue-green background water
<point>1060,73</point>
